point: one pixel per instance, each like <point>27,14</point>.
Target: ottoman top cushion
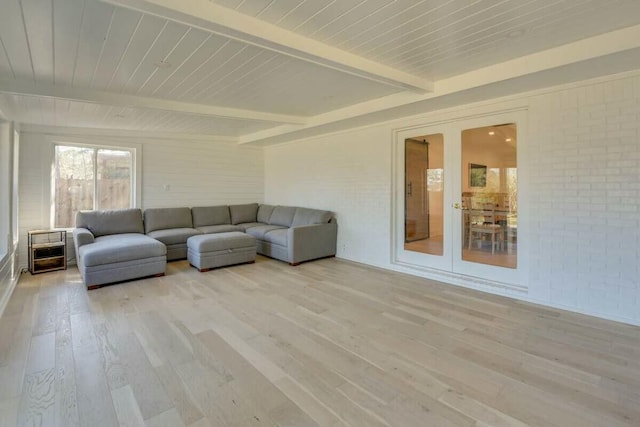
<point>220,241</point>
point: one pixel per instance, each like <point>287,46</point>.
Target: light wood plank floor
<point>327,343</point>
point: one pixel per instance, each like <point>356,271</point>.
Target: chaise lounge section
<point>111,247</point>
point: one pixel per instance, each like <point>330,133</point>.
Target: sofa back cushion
<point>243,213</point>
<point>107,222</point>
<point>210,215</point>
<point>282,215</point>
<point>305,216</point>
<point>164,218</point>
<point>264,213</point>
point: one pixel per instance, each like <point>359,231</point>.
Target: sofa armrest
<point>306,242</point>
<point>81,237</point>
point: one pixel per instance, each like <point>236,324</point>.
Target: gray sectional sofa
<point>119,245</point>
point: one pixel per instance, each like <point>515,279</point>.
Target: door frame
<point>449,267</point>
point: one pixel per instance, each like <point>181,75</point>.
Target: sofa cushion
<point>259,231</point>
<point>282,215</point>
<point>222,228</point>
<point>120,248</point>
<point>104,223</point>
<point>278,237</point>
<point>264,213</point>
<point>164,218</point>
<point>243,213</point>
<point>306,216</point>
<point>174,236</point>
<point>210,215</point>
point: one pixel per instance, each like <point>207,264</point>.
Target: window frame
<point>136,173</point>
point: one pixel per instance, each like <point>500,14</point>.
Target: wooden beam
<point>27,88</point>
<point>228,23</point>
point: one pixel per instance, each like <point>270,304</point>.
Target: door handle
<point>410,188</point>
<point>456,205</point>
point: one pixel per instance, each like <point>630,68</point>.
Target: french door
<point>458,204</point>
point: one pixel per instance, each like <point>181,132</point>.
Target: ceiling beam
<point>27,88</point>
<point>208,16</point>
<point>610,53</point>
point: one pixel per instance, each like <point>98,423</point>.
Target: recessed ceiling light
<point>508,139</point>
<point>162,64</point>
<point>492,133</point>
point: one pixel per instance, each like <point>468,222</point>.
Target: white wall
<point>198,173</point>
<point>8,210</point>
<point>582,171</point>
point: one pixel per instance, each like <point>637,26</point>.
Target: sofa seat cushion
<point>174,236</point>
<point>278,237</point>
<point>259,231</point>
<point>120,248</point>
<point>224,228</point>
<point>247,225</point>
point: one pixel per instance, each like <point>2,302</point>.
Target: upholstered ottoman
<point>207,251</point>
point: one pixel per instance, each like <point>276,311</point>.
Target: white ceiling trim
<point>624,42</point>
<point>226,22</point>
<point>27,88</point>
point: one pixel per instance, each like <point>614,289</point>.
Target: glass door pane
<point>424,185</point>
<point>489,195</point>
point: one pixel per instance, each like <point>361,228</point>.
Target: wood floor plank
<point>186,409</point>
<point>41,353</point>
<point>170,418</point>
<point>12,374</point>
<point>95,406</point>
<point>66,405</point>
<point>140,375</point>
<point>126,407</point>
<point>327,343</point>
<point>38,398</point>
<point>9,411</point>
<point>8,328</point>
<point>47,313</point>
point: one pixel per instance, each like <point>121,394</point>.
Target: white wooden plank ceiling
<point>174,66</point>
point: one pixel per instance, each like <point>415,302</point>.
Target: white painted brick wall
<point>584,176</point>
<point>347,174</point>
<point>585,238</point>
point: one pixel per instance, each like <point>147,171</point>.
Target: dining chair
<point>486,227</point>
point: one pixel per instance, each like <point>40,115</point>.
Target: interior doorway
<point>424,226</point>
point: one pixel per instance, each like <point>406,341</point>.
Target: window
<point>91,178</point>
